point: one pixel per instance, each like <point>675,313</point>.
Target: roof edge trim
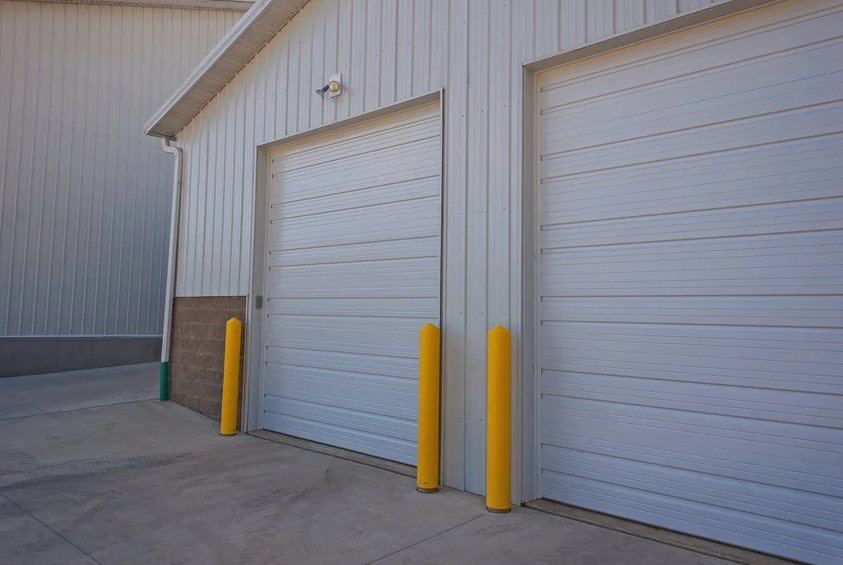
<point>213,5</point>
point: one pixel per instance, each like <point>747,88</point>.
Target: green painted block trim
<point>164,382</point>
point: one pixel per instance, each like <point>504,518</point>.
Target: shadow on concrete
<point>153,483</point>
<point>74,390</point>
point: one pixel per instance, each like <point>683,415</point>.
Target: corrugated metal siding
<point>84,195</point>
<point>390,51</point>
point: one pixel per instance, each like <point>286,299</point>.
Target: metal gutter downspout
<point>164,375</point>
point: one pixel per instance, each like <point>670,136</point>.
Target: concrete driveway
<point>134,481</point>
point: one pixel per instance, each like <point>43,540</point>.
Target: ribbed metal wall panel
<point>84,195</point>
<point>389,51</point>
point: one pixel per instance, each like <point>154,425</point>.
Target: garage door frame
<point>526,470</point>
<point>255,336</point>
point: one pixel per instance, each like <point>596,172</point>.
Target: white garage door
<point>691,281</point>
<point>353,274</point>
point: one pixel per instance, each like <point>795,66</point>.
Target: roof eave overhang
<point>238,47</point>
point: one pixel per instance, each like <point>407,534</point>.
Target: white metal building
<point>84,195</point>
<point>647,193</point>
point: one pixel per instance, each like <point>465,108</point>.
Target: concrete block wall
<point>198,350</point>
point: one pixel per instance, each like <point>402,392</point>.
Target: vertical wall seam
<point>73,159</point>
<point>32,132</point>
<point>141,186</point>
<point>100,239</point>
<point>5,8</point>
<point>43,166</point>
<point>84,178</point>
<point>89,188</point>
<point>56,137</point>
<point>467,84</point>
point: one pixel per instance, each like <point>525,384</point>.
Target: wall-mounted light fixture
<point>333,88</point>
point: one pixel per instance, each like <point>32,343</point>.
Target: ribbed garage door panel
<point>691,281</point>
<point>353,274</point>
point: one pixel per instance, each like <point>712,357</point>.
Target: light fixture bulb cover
<point>335,85</point>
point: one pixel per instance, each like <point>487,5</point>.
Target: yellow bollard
<point>230,378</point>
<point>497,420</point>
<point>427,470</point>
